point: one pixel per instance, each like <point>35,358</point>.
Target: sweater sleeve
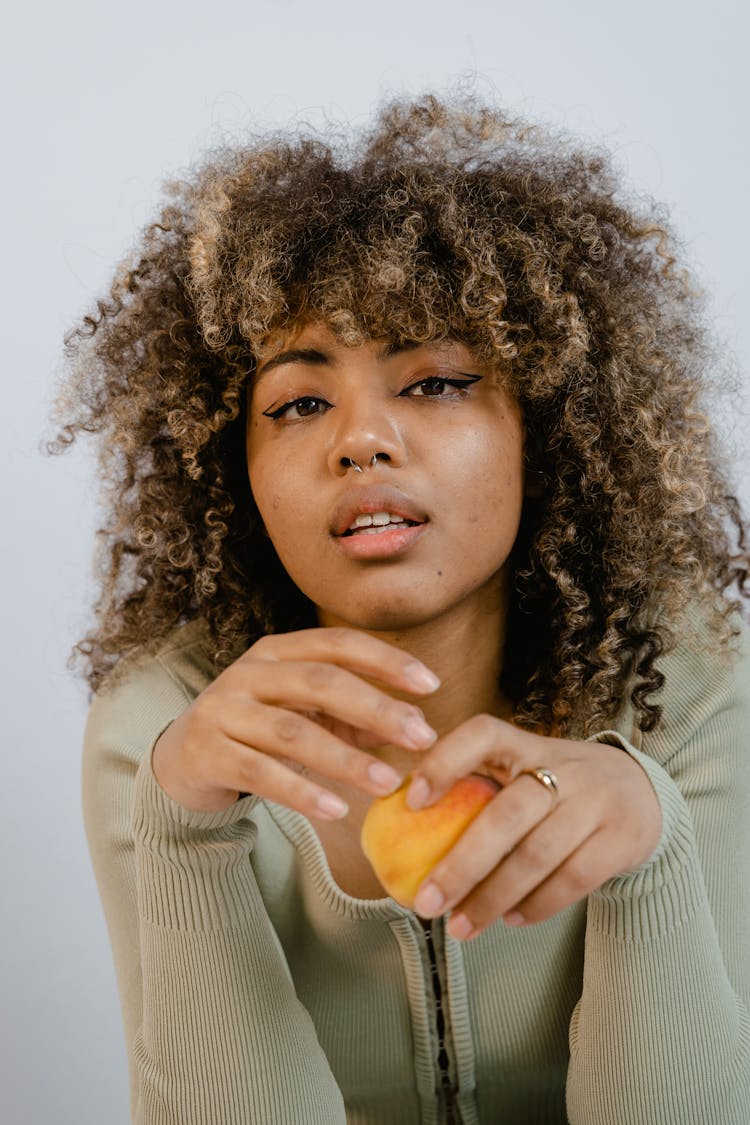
<point>660,1035</point>
<point>214,1029</point>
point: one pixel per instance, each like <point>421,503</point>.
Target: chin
<point>393,621</point>
<point>382,617</point>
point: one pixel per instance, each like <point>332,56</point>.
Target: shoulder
<point>706,687</point>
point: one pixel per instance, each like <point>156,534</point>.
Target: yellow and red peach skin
<point>403,844</point>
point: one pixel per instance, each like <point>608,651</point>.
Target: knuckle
<point>339,637</point>
<point>349,765</point>
<point>483,726</point>
<point>579,876</point>
<point>461,868</point>
<point>387,711</point>
<point>449,878</point>
<point>289,728</point>
<point>440,774</point>
<point>533,852</point>
<point>204,711</point>
<point>320,677</point>
<point>513,809</point>
<point>299,794</point>
<point>262,645</point>
<point>249,774</point>
<point>479,908</point>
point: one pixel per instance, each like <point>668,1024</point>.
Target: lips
<point>370,499</point>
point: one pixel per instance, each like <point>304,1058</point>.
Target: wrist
<point>166,772</point>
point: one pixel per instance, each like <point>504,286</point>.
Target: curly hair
<point>444,218</point>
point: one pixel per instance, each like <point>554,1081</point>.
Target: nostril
<point>349,462</point>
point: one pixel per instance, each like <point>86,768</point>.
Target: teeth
<point>377,519</point>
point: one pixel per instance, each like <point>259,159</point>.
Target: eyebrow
<point>316,358</point>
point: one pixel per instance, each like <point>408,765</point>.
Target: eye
<point>298,408</point>
<point>435,385</point>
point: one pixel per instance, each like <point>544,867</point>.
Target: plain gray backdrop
<point>101,103</point>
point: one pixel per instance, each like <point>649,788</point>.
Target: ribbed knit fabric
<point>255,992</point>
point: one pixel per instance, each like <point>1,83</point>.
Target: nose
<point>365,435</point>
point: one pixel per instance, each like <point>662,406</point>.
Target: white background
<point>102,102</point>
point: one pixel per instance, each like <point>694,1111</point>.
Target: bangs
<point>408,256</point>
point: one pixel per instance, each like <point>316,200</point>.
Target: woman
<point>409,479</point>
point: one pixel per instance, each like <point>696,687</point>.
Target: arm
<point>213,1027</point>
<point>661,1032</point>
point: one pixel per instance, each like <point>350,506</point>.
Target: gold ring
<point>547,779</point>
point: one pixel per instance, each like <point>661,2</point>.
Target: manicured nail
<point>384,777</point>
<point>419,793</point>
<point>429,900</point>
<point>331,806</point>
<point>460,927</point>
<point>421,676</point>
<point>514,918</point>
<point>419,735</point>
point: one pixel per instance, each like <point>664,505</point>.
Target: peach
<point>403,844</point>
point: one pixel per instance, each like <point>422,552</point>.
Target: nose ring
<point>358,468</point>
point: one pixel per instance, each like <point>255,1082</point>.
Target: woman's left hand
<point>530,852</point>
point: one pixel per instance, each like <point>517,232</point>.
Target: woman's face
<point>448,446</point>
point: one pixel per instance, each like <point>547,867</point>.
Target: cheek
<point>278,489</point>
<point>487,468</point>
<point>267,490</point>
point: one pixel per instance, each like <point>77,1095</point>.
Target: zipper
<point>447,1084</point>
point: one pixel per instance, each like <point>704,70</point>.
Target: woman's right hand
<point>295,701</point>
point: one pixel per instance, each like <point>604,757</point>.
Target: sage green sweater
<point>255,992</point>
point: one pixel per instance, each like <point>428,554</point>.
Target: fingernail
<point>384,777</point>
<point>460,927</point>
<point>429,900</point>
<point>419,793</point>
<point>419,734</point>
<point>331,807</point>
<point>514,918</point>
<point>421,676</point>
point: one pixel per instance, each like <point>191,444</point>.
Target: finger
<point>355,736</point>
<point>277,732</point>
<point>349,648</point>
<point>305,686</point>
<point>258,773</point>
<point>502,825</point>
<point>482,742</point>
<point>579,876</point>
<point>528,866</point>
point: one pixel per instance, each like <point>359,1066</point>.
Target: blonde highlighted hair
<point>445,217</point>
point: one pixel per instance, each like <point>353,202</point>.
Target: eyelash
<point>458,384</point>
